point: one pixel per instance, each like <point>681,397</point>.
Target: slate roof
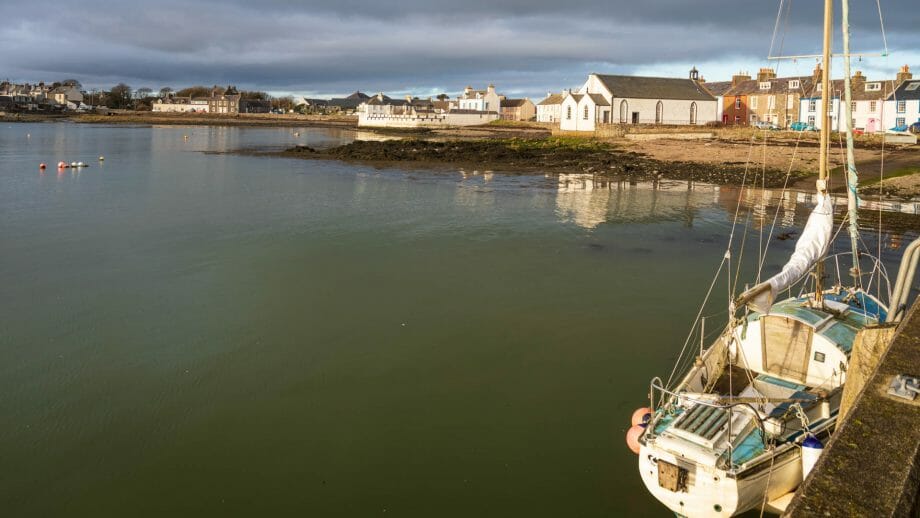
<point>638,87</point>
<point>859,92</point>
<point>904,93</point>
<point>718,88</point>
<point>552,99</point>
<point>514,103</point>
<point>778,85</point>
<point>472,112</point>
<point>599,99</point>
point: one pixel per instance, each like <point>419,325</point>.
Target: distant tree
<point>284,103</point>
<point>195,91</point>
<point>72,82</point>
<point>443,97</point>
<point>119,97</point>
<point>256,96</point>
<point>165,92</point>
<point>143,92</point>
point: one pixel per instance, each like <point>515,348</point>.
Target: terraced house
<point>767,98</point>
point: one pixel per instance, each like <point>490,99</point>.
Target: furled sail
<point>809,249</point>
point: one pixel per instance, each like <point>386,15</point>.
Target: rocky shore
<point>553,155</point>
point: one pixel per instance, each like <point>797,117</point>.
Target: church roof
<point>639,87</point>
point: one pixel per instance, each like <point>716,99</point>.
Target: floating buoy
<point>81,164</point>
<point>61,165</point>
<point>632,437</point>
<point>42,165</point>
<point>101,158</point>
<point>641,416</point>
<point>73,164</point>
<point>811,451</point>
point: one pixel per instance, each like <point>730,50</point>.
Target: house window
<point>771,102</point>
<point>902,106</point>
<point>737,103</point>
<point>873,105</point>
<point>659,112</point>
<point>818,87</point>
<point>900,121</point>
<point>568,113</point>
<point>790,102</point>
<point>911,87</point>
<point>794,84</point>
<point>692,113</point>
<point>753,103</point>
<point>737,119</point>
<point>624,111</point>
<point>764,85</point>
<point>586,113</point>
<point>812,105</point>
<point>811,120</point>
<point>873,87</point>
<point>852,106</point>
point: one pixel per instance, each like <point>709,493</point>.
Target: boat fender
<point>641,416</point>
<point>42,166</point>
<point>62,165</point>
<point>632,437</point>
<point>811,451</point>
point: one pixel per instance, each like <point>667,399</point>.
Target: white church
<point>616,99</point>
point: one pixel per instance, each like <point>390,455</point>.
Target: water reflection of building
<point>588,200</point>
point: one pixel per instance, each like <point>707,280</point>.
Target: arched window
<point>624,111</point>
<point>659,112</point>
<point>692,113</point>
<point>586,112</point>
<point>568,113</point>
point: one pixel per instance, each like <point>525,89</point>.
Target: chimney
<point>491,89</point>
<point>816,75</point>
<point>766,74</point>
<point>739,78</point>
<point>694,74</point>
<point>904,74</point>
<point>857,80</point>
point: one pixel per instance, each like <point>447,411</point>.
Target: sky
<point>426,47</point>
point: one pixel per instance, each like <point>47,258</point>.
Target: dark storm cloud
<point>525,46</point>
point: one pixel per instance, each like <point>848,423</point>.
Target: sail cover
<point>810,248</point>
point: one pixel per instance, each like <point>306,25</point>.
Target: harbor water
<point>190,331</point>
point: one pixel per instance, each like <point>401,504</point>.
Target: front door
<point>871,125</point>
<point>606,117</point>
<point>635,117</point>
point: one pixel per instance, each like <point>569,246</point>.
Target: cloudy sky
<point>526,47</point>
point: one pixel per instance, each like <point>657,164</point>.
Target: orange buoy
<point>42,165</point>
<point>641,416</point>
<point>632,437</point>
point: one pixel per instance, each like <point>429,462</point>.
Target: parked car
<point>802,126</point>
<point>899,129</point>
<point>915,127</point>
<point>765,125</point>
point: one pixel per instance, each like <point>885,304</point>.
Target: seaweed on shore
<point>556,154</point>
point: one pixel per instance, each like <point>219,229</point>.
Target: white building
<point>550,109</point>
<point>902,108</point>
<point>480,100</point>
<point>608,99</point>
<point>867,103</point>
<point>181,105</point>
<point>382,111</point>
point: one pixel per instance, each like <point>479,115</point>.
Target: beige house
<point>479,100</point>
<point>550,109</point>
<point>767,98</point>
<point>66,94</point>
<point>518,110</point>
<point>224,101</point>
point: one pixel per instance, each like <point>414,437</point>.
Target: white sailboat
<point>745,423</point>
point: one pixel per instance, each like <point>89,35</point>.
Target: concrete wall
<point>425,121</point>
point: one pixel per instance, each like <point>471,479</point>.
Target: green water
<point>186,333</point>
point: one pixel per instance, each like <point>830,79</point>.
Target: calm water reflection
<point>195,333</point>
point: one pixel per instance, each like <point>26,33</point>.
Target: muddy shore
<point>551,155</point>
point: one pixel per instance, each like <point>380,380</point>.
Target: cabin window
<point>659,112</point>
<point>624,111</point>
<point>786,346</point>
<point>568,113</point>
<point>819,357</point>
<point>902,106</point>
<point>692,113</point>
<point>586,113</point>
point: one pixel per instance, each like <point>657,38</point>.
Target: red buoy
<point>42,166</point>
<point>641,416</point>
<point>61,165</point>
<point>632,438</point>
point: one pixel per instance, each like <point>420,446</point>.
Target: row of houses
<point>765,100</point>
<point>39,97</point>
<point>224,101</point>
<point>472,107</point>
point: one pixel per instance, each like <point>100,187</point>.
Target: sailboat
<point>746,422</point>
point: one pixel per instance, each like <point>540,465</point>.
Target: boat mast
<point>852,178</point>
<point>825,131</point>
